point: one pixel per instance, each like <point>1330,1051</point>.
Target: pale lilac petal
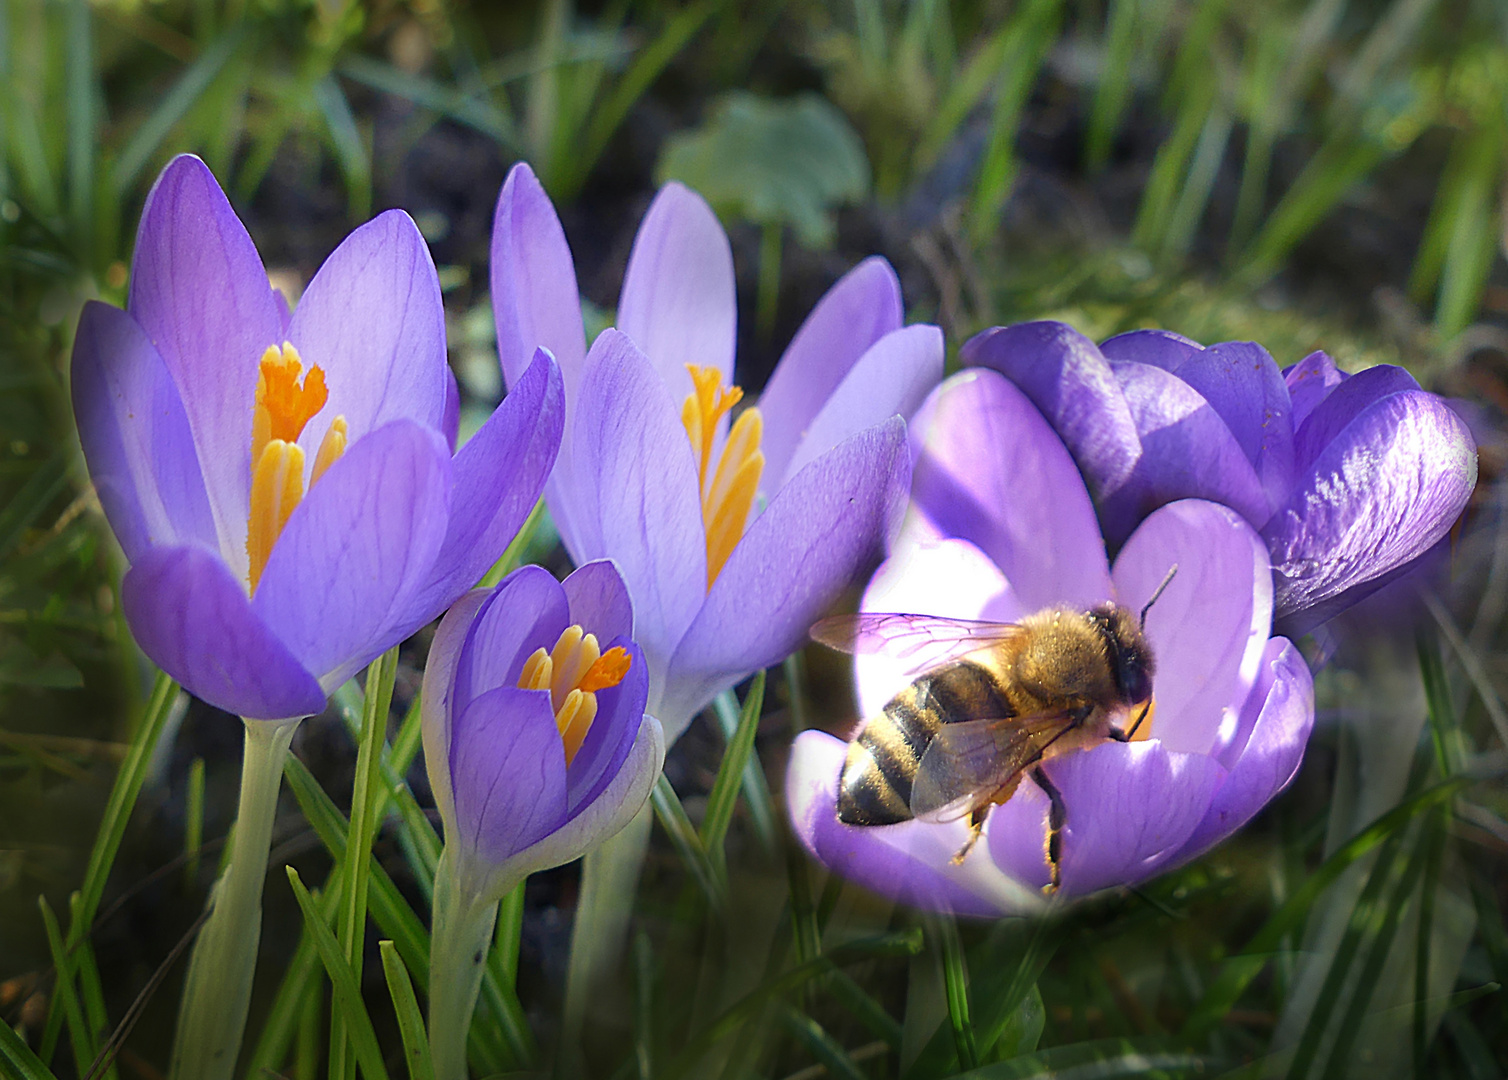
<point>599,600</point>
<point>136,436</point>
<point>499,475</point>
<point>527,611</point>
<point>604,816</point>
<point>989,469</point>
<point>1344,404</point>
<point>1380,494</point>
<point>791,566</point>
<point>892,378</point>
<point>1015,836</point>
<point>438,700</point>
<point>910,862</point>
<point>1310,382</point>
<point>192,618</point>
<point>951,578</point>
<point>678,302</point>
<point>201,295</point>
<point>1067,378</point>
<point>1276,722</point>
<point>620,711</point>
<point>507,769</point>
<point>1209,628</point>
<point>450,423</point>
<point>373,321</point>
<point>638,493</point>
<point>357,548</point>
<point>1130,809</point>
<point>853,315</point>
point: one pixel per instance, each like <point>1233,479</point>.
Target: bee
<point>964,734</point>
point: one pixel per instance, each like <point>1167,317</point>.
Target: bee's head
<point>1129,653</point>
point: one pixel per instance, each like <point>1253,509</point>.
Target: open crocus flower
<point>283,484</point>
<point>538,749</point>
<point>732,539</point>
<point>1347,477</point>
<point>1001,526</point>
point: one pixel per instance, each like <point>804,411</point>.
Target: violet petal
<point>527,611</point>
<point>438,698</point>
<point>1344,404</point>
<point>1310,382</point>
<point>620,710</point>
<point>599,600</point>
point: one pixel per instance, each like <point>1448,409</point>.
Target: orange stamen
<point>277,486</point>
<point>729,496</point>
<point>573,671</point>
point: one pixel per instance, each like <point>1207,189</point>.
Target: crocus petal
<point>201,295</point>
<point>1344,404</point>
<point>1187,452</point>
<point>1310,382</point>
<point>136,436</point>
<point>853,315</point>
<point>1381,493</point>
<point>951,578</point>
<point>678,302</point>
<point>1067,378</point>
<point>507,769</point>
<point>604,816</point>
<point>637,496</point>
<point>620,709</point>
<point>356,550</point>
<point>891,378</point>
<point>192,617</point>
<point>526,612</point>
<point>373,321</point>
<point>790,567</point>
<point>599,600</point>
<point>1209,627</point>
<point>990,470</point>
<point>910,862</point>
<point>438,693</point>
<point>1160,348</point>
<point>1275,727</point>
<point>499,475</point>
<point>1130,807</point>
<point>450,423</point>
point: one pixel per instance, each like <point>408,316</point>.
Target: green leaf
<point>345,140</point>
<point>756,790</point>
<point>827,1050</point>
<point>343,980</point>
<point>724,795</point>
<point>683,835</point>
<point>406,1005</point>
<point>296,993</point>
<point>79,1035</point>
<point>789,162</point>
<point>18,1059</point>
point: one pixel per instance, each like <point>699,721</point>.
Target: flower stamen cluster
<point>573,671</point>
<point>284,405</point>
<point>727,499</point>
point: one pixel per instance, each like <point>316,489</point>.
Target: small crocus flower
<point>1346,477</point>
<point>538,749</point>
<point>284,484</point>
<point>732,534</point>
<point>1000,526</point>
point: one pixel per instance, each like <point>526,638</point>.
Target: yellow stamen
<point>728,497</point>
<point>283,406</point>
<point>277,486</point>
<point>573,671</point>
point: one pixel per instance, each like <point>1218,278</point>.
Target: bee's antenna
<point>1148,606</point>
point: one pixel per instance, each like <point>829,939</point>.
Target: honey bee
<point>961,737</point>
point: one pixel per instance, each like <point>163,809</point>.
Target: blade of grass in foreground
<point>410,1022</point>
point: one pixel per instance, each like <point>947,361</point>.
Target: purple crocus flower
<point>538,749</point>
<point>1348,478</point>
<point>731,539</point>
<point>284,484</point>
<point>1000,526</point>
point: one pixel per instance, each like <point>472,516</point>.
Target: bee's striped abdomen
<point>875,787</point>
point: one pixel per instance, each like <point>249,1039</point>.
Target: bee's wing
<point>902,636</point>
<point>967,762</point>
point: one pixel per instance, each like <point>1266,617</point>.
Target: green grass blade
<point>79,1036</point>
<point>410,1022</point>
<point>299,986</point>
<point>827,1050</point>
<point>44,485</point>
<point>510,924</point>
<point>683,835</point>
<point>81,125</point>
<point>756,789</point>
<point>193,822</point>
<point>1114,88</point>
<point>1474,236</point>
<point>17,1059</point>
<point>474,112</point>
<point>863,1008</point>
<point>956,984</point>
<point>963,95</point>
<point>174,106</point>
<point>1183,222</point>
<point>343,981</point>
<point>724,795</point>
<point>346,141</point>
<point>92,994</point>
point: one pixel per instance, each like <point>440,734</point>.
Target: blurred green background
<point>1321,174</point>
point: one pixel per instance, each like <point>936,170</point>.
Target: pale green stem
<point>218,988</point>
<point>459,940</point>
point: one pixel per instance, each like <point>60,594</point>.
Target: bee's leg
<point>976,825</point>
<point>1056,816</point>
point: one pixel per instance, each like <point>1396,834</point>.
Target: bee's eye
<point>1136,684</point>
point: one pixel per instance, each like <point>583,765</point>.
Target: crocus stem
<point>459,940</point>
<point>218,988</point>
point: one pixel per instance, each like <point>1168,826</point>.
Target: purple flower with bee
<point>1198,718</point>
<point>1347,478</point>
